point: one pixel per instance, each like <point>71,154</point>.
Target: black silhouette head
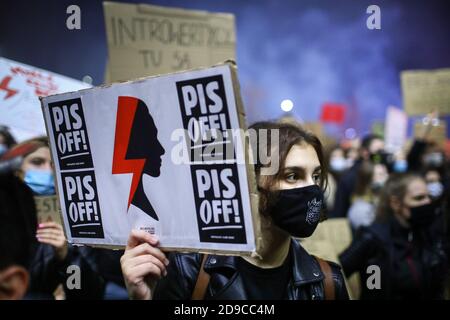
<point>144,143</point>
<point>137,149</point>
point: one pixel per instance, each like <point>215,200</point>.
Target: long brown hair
<point>364,178</point>
<point>289,135</point>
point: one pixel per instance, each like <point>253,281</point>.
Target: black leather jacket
<point>46,273</point>
<point>413,263</point>
<point>226,280</point>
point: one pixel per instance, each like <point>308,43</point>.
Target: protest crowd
<point>392,206</point>
<point>397,209</point>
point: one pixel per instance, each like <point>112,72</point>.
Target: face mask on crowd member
<point>40,181</point>
<point>299,198</point>
<point>422,216</point>
<point>434,159</point>
<point>435,189</point>
<point>298,210</point>
<point>416,208</point>
<point>434,184</point>
<point>400,166</point>
<point>338,163</point>
<point>37,171</point>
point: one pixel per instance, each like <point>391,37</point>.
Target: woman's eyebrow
<point>295,168</point>
<point>318,168</point>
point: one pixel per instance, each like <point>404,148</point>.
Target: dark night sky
<point>306,51</point>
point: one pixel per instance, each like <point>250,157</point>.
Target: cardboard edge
<point>54,159</point>
<point>140,79</point>
<point>251,178</point>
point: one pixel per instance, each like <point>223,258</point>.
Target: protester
<point>371,146</point>
<point>290,204</point>
<point>434,181</point>
<point>369,183</point>
<point>338,162</point>
<point>406,242</point>
<point>17,224</point>
<point>51,253</point>
<point>400,164</point>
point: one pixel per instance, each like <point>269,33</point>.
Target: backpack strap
<point>202,282</point>
<point>328,282</point>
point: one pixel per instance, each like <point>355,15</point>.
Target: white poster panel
<point>155,154</point>
<point>395,129</point>
<point>20,88</point>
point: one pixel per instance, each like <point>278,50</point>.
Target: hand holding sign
<point>143,264</point>
<point>117,162</point>
<point>51,233</point>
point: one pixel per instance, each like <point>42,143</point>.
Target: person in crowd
<point>435,184</point>
<point>369,183</point>
<point>6,140</point>
<point>337,162</point>
<point>51,253</point>
<point>290,206</point>
<point>406,242</point>
<point>400,164</point>
<point>371,146</point>
<point>17,236</point>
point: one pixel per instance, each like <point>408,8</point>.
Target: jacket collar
<point>305,268</point>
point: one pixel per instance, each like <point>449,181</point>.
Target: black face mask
<point>423,215</point>
<point>297,211</point>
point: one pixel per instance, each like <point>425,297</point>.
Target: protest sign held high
<point>157,154</point>
<point>146,40</point>
<point>20,88</point>
<point>425,91</point>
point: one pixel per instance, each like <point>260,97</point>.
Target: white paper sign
<point>395,129</point>
<point>20,88</point>
<point>123,161</point>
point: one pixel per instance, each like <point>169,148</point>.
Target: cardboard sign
<point>20,88</point>
<point>146,40</point>
<point>157,154</point>
<point>425,91</point>
<point>47,208</point>
<point>395,129</point>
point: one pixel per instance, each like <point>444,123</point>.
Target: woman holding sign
<point>291,202</point>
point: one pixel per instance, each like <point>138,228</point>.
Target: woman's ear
<point>13,283</point>
<point>20,174</point>
<point>395,203</point>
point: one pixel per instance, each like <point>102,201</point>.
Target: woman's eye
<point>37,161</point>
<point>316,178</point>
<point>292,177</point>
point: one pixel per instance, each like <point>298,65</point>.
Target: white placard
<point>123,161</point>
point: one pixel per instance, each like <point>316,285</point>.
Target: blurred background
<point>309,52</point>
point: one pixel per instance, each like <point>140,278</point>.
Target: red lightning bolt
<point>126,111</point>
<point>4,86</point>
